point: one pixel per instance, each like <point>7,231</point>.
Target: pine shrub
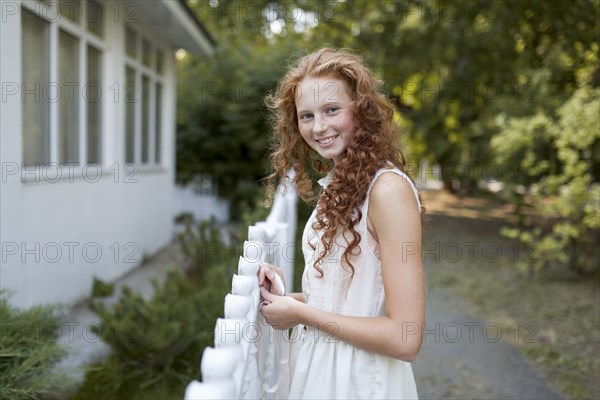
<point>29,351</point>
<point>157,343</point>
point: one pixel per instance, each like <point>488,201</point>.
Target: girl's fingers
<point>261,273</point>
<point>268,277</point>
<point>276,282</point>
<point>268,296</point>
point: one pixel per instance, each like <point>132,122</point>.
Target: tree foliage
<point>568,195</point>
<point>481,88</point>
<point>452,67</point>
<point>222,128</point>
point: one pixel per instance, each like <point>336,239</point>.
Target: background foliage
<point>488,91</point>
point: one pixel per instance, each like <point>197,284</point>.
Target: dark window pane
<point>94,105</point>
<point>68,103</point>
<point>35,59</point>
<point>145,119</point>
<point>130,101</point>
<point>158,116</point>
<point>146,53</point>
<point>70,9</point>
<point>94,15</point>
<point>130,42</point>
<point>159,61</point>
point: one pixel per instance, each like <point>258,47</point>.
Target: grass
<point>552,317</point>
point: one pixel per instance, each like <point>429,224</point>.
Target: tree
<point>452,67</point>
<point>477,85</point>
<point>569,195</point>
<point>222,127</point>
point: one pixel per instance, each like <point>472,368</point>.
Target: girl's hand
<point>279,311</point>
<point>267,278</point>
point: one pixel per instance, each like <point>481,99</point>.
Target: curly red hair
<point>374,144</point>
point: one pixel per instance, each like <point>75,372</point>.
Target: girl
<point>361,312</point>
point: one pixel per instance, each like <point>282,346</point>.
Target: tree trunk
<point>447,180</point>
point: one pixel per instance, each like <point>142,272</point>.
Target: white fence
<point>249,360</point>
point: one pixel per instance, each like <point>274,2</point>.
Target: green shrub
<point>184,217</point>
<point>101,288</point>
<point>156,343</point>
<point>566,191</point>
<point>203,247</point>
<point>28,351</point>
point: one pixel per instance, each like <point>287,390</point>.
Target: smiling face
<point>325,119</point>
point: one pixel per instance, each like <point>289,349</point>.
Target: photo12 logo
<point>68,172</point>
<point>70,331</point>
<point>91,11</point>
<point>70,252</point>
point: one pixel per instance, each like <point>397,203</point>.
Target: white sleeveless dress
<point>324,367</point>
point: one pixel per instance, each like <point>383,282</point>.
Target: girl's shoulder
<point>390,181</point>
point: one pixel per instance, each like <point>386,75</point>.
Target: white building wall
<point>57,235</point>
<point>203,207</point>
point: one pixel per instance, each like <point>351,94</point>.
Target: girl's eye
<point>305,116</point>
<point>332,109</point>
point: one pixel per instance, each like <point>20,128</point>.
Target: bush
<point>158,342</point>
<point>568,193</point>
<point>101,288</point>
<point>28,352</point>
<point>203,247</point>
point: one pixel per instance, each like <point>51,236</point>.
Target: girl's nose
<point>319,125</point>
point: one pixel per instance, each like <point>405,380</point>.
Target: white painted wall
<point>47,227</point>
<point>202,206</point>
<point>50,231</point>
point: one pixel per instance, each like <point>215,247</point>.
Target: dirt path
<point>463,356</point>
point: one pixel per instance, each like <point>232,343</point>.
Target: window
<point>70,9</point>
<point>143,99</point>
<point>35,41</point>
<point>158,122</point>
<point>93,95</point>
<point>61,79</point>
<point>93,14</point>
<point>68,103</point>
<point>130,42</point>
<point>130,103</point>
<point>145,118</point>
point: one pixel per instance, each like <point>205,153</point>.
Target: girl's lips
<point>327,141</point>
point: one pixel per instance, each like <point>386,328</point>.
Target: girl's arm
<point>396,223</point>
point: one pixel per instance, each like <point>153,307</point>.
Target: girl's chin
<point>328,155</point>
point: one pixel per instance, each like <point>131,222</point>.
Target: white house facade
<point>87,151</point>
